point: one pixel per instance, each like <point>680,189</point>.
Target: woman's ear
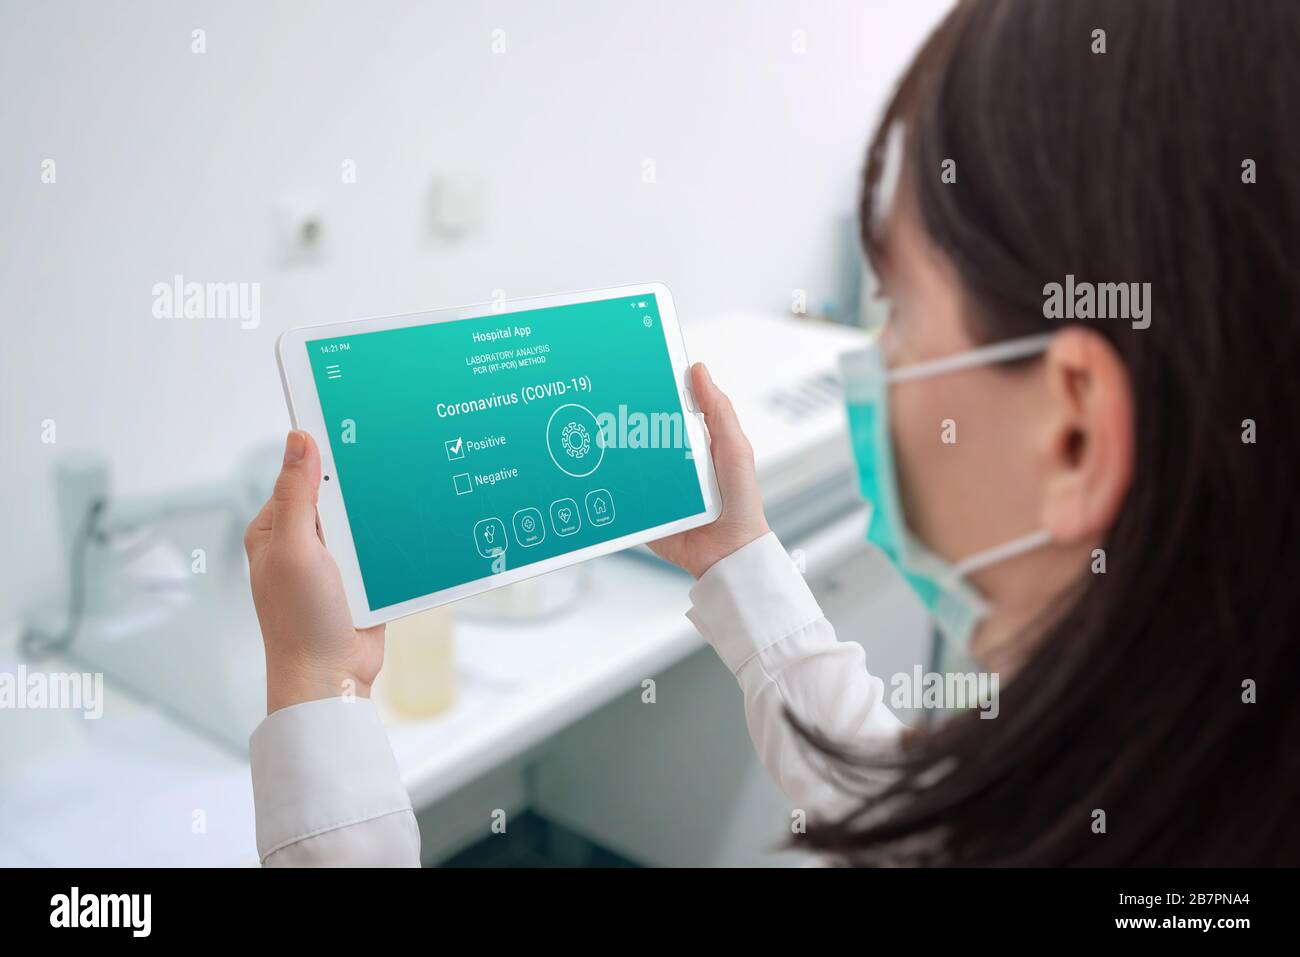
<point>1088,452</point>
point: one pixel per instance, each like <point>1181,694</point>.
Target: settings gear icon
<point>576,440</point>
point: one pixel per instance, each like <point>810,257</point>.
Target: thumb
<point>293,503</point>
<point>727,439</point>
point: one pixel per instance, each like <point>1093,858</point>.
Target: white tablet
<point>472,447</point>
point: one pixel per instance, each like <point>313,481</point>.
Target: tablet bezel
<point>305,413</point>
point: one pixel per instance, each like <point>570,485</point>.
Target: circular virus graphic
<point>575,440</point>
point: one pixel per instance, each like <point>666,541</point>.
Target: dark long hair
<point>1128,166</point>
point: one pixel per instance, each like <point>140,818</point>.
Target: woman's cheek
<point>941,488</point>
<point>915,438</point>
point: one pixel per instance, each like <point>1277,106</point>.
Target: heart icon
<point>489,533</point>
<point>565,514</point>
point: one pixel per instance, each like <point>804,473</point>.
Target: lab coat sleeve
<point>326,789</point>
<point>759,615</point>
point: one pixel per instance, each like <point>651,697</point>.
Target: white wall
<point>171,162</point>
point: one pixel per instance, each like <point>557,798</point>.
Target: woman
<point>1098,481</point>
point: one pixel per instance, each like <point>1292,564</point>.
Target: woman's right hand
<point>742,519</point>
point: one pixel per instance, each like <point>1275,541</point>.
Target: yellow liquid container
<point>419,675</point>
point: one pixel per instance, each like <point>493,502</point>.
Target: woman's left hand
<point>312,649</point>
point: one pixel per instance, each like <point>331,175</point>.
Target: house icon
<point>600,506</point>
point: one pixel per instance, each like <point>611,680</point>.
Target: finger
<point>259,529</point>
<point>725,434</point>
<point>262,520</point>
<point>293,503</point>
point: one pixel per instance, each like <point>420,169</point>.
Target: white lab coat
<point>328,793</point>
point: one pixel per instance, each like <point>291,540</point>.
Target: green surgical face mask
<point>953,602</point>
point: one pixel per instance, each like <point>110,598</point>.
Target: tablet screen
<point>468,447</point>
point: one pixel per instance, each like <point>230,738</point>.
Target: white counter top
<point>140,789</point>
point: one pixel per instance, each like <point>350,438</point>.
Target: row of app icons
<point>490,533</point>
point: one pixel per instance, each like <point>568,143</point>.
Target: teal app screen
<point>470,447</point>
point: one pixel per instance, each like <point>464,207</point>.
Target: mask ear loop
<point>891,170</point>
<point>1001,553</point>
<point>998,352</point>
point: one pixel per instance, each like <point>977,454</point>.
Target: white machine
<point>158,595</point>
<point>782,375</point>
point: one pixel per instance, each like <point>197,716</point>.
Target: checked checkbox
<point>455,449</point>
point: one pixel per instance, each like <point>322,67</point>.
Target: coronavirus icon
<point>575,440</point>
